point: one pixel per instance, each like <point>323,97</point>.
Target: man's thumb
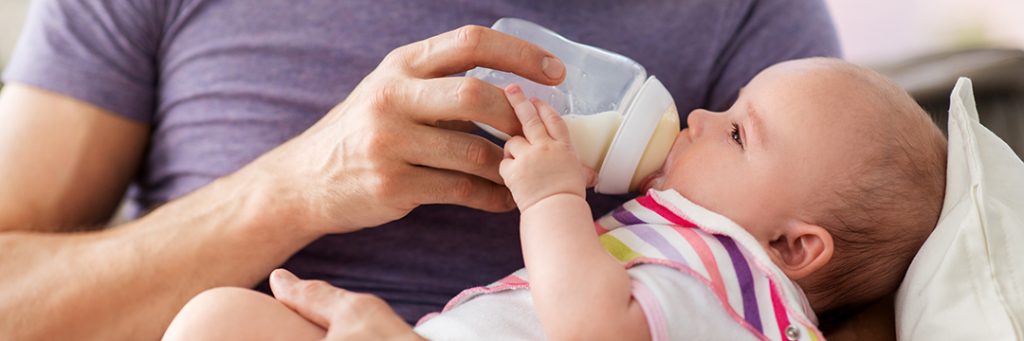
<point>314,300</point>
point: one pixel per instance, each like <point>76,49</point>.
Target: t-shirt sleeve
<point>99,51</point>
<point>771,31</point>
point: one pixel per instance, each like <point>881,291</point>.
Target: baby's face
<point>787,134</point>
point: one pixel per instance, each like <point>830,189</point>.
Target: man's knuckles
<point>472,94</point>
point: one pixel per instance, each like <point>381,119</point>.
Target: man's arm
<point>370,160</point>
<point>64,164</point>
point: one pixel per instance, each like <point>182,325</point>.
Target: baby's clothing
<point>510,314</point>
<point>696,275</point>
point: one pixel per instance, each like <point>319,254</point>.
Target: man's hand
<point>542,162</point>
<point>381,152</point>
<point>345,315</point>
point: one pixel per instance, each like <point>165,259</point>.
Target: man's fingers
<point>463,126</point>
<point>453,150</point>
<point>317,301</point>
<point>526,111</point>
<point>438,186</point>
<point>437,100</point>
<point>552,121</point>
<point>471,46</point>
<point>355,316</point>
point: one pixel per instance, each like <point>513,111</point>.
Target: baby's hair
<point>881,211</point>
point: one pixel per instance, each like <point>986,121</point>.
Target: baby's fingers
<point>533,125</point>
<point>590,175</point>
<point>552,121</point>
<point>515,146</point>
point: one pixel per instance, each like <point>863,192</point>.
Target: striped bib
<point>665,228</point>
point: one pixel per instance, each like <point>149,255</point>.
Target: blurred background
<point>12,16</point>
<point>922,44</point>
<point>925,45</point>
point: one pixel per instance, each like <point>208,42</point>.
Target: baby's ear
<point>801,249</point>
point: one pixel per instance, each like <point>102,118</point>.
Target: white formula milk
<point>592,134</point>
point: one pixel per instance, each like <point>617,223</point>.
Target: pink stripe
<point>780,311</point>
<point>510,282</point>
<point>649,203</point>
<point>599,229</point>
<point>513,281</point>
<point>652,311</point>
<point>427,317</point>
<point>707,258</point>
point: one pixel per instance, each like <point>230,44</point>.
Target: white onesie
<point>695,274</point>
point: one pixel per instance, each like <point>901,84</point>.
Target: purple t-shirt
<point>221,82</point>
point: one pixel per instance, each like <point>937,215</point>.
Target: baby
<point>810,195</point>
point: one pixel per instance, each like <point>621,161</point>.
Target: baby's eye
<point>735,135</point>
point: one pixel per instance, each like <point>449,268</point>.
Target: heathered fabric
<point>222,81</point>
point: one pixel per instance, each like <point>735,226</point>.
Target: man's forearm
<point>127,282</point>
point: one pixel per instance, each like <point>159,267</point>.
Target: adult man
<point>191,100</point>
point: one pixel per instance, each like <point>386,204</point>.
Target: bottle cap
<point>632,137</point>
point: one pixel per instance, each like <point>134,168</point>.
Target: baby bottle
<point>621,122</point>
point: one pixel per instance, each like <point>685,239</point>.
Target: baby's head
<point>835,170</point>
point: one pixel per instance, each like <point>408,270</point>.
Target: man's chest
<point>304,57</point>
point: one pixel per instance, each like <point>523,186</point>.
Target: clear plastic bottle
<point>622,123</point>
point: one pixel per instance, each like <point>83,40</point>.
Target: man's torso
<point>235,82</point>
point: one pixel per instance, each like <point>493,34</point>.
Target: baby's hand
<point>542,163</point>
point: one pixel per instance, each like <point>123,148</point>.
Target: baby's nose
<point>695,120</point>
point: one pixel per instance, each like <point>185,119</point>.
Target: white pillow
<point>967,281</point>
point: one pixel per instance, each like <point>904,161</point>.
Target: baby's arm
<point>580,291</point>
